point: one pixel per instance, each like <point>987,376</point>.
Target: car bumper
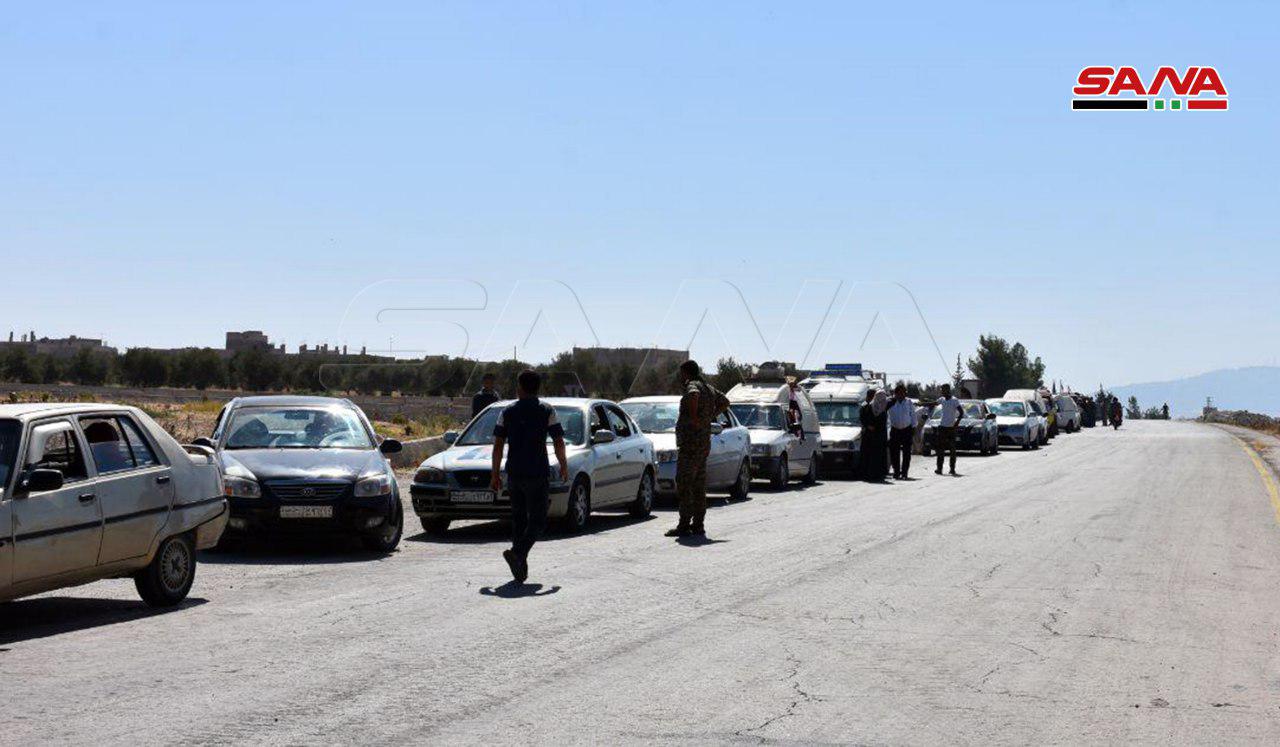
<point>349,515</point>
<point>666,479</point>
<point>1013,438</point>
<point>833,461</point>
<point>764,466</point>
<point>432,502</point>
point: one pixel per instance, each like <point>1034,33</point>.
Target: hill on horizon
<point>1253,388</point>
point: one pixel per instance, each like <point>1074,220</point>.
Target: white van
<point>838,400</point>
<point>1068,413</point>
<point>776,453</point>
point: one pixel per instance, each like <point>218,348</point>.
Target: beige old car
<point>91,491</point>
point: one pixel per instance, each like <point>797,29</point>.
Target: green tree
<point>89,367</point>
<point>1134,410</point>
<point>1001,366</point>
<point>144,367</point>
<point>198,367</point>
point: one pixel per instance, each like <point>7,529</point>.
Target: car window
<point>654,417</point>
<point>618,422</point>
<point>62,452</point>
<point>725,419</point>
<point>337,427</point>
<point>143,455</point>
<point>10,435</point>
<point>480,431</point>
<point>598,419</point>
<point>106,444</point>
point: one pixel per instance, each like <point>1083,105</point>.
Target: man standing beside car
<point>486,396</point>
<point>946,430</point>
<point>525,426</point>
<point>902,428</point>
<point>699,405</point>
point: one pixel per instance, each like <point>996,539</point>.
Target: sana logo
<point>1123,89</point>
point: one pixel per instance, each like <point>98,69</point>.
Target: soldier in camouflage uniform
<point>699,405</point>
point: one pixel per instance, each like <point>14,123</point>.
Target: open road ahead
<point>1115,586</point>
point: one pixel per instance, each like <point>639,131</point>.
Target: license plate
<point>472,496</point>
<point>306,512</point>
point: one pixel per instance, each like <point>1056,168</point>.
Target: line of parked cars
<point>90,491</point>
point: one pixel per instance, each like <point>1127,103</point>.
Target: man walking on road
<point>946,431</point>
<point>902,426</point>
<point>525,426</point>
<point>486,396</point>
<point>699,405</point>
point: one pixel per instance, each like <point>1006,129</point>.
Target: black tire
<point>435,526</point>
<point>168,577</point>
<point>741,489</point>
<point>642,506</point>
<point>778,480</point>
<point>579,512</point>
<point>811,476</point>
<point>386,537</point>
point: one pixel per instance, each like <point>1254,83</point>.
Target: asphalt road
<point>1115,586</point>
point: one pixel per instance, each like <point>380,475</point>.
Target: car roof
<point>30,409</point>
<point>559,401</point>
<point>652,398</point>
<point>297,400</point>
<point>758,393</point>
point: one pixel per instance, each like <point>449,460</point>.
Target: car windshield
<point>480,432</point>
<point>654,417</point>
<point>759,416</point>
<point>297,428</point>
<point>972,411</point>
<point>10,434</point>
<point>838,413</point>
<point>1008,409</point>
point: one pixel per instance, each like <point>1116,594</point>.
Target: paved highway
<point>1115,586</point>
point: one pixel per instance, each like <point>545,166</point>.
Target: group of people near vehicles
<point>890,428</point>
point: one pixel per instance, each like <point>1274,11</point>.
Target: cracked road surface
<point>1115,586</point>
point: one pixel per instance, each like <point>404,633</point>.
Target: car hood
<point>302,464</point>
<point>1011,420</point>
<point>767,435</point>
<point>833,433</point>
<point>662,441</point>
<point>480,457</point>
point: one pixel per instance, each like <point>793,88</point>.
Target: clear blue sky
<point>168,172</point>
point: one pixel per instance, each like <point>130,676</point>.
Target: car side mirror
<point>43,480</point>
<point>204,441</point>
<point>603,437</point>
<point>450,437</point>
<point>991,416</point>
<point>717,428</point>
<point>390,446</point>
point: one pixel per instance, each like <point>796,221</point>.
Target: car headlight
<point>240,487</point>
<point>667,455</point>
<point>429,476</point>
<point>838,445</point>
<point>374,486</point>
<point>761,449</point>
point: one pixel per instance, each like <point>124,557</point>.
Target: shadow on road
<point>513,590</point>
<point>698,541</point>
<point>500,531</point>
<point>28,619</point>
<point>321,549</point>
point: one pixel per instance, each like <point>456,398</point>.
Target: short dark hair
<point>530,382</point>
<point>487,376</point>
<point>691,369</point>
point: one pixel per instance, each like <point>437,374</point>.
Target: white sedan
<point>91,491</point>
<point>728,464</point>
<point>1017,422</point>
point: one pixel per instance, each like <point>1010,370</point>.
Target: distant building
<point>250,339</point>
<point>635,357</point>
<point>58,347</point>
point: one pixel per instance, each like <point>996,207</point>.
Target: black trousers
<point>529,499</point>
<point>946,438</point>
<point>900,450</point>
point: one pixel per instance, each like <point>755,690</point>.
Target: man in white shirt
<point>902,425</point>
<point>952,412</point>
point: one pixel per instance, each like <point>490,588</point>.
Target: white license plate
<point>306,512</point>
<point>472,496</point>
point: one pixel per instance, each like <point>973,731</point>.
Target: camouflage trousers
<point>691,482</point>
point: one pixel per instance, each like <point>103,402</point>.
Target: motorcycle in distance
<point>1117,415</point>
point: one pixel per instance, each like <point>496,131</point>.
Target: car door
<point>737,444</point>
<point>55,531</point>
<point>719,471</point>
<point>608,470</point>
<point>134,486</point>
<point>631,452</point>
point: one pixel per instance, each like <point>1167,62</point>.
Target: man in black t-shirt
<point>522,431</point>
<point>486,396</point>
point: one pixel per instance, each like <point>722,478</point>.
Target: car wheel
<point>385,538</point>
<point>642,506</point>
<point>168,577</point>
<point>742,488</point>
<point>811,476</point>
<point>781,474</point>
<point>435,526</point>
<point>579,511</point>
